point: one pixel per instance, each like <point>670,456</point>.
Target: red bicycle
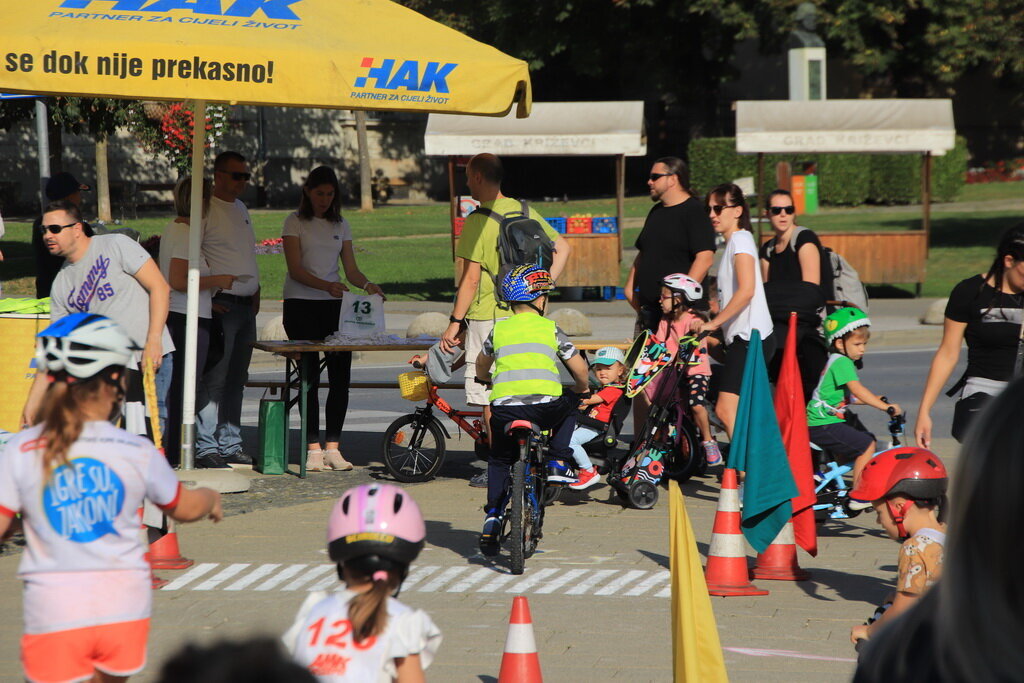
<point>414,445</point>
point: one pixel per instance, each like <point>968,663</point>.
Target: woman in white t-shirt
<point>78,483</point>
<point>742,305</point>
<point>316,237</point>
<point>174,266</point>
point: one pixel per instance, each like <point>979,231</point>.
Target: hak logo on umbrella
<point>273,9</point>
<point>408,74</point>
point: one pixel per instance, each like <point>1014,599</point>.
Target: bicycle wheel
<point>414,448</point>
<point>518,512</point>
<point>684,458</point>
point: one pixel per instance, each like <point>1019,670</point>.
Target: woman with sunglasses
<point>316,237</point>
<point>798,278</point>
<point>742,305</point>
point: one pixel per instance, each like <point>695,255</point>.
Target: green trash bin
<point>273,433</point>
<point>811,194</point>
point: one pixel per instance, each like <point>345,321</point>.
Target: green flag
<point>757,449</point>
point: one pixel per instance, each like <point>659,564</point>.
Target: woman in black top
<point>984,311</point>
<point>798,278</point>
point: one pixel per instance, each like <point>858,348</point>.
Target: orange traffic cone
<point>156,581</point>
<point>520,663</point>
<point>778,562</point>
<point>727,573</point>
<point>164,552</point>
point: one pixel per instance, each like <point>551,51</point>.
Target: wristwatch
<point>460,321</point>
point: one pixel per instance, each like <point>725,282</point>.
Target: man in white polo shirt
<point>228,247</point>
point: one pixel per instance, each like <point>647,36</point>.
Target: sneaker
<point>211,461</point>
<point>711,452</point>
<point>490,536</point>
<point>858,505</point>
<point>588,478</point>
<point>336,461</point>
<point>237,458</point>
<point>479,481</point>
<point>315,460</point>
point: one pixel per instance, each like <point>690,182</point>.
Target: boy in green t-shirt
<point>829,421</point>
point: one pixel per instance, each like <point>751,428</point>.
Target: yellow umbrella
<point>345,54</point>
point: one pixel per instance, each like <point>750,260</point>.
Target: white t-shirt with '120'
<point>321,241</point>
<point>755,315</point>
<point>229,245</point>
<point>84,564</point>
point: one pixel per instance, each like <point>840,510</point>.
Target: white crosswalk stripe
<point>432,579</point>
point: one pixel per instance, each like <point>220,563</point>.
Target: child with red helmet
<point>362,633</point>
<point>907,488</point>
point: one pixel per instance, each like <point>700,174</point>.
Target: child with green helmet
<point>830,424</point>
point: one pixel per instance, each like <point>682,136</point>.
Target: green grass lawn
<point>420,268</point>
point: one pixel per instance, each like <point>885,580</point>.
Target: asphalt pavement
<point>598,586</point>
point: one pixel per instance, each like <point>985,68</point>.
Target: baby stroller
<point>667,444</point>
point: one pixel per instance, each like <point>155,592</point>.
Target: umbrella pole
<point>188,411</point>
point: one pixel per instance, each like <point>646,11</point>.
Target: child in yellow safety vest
<point>522,350</point>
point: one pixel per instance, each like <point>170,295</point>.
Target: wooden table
<point>295,374</point>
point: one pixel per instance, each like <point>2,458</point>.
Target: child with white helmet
<point>362,633</point>
<point>682,303</point>
<point>78,483</point>
<point>830,424</point>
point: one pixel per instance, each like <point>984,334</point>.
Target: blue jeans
<point>218,423</point>
<point>163,384</point>
<point>581,436</point>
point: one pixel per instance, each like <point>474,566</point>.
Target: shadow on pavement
<point>867,589</point>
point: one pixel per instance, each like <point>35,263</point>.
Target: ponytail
<point>62,421</point>
<point>368,611</point>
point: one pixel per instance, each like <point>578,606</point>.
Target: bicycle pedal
<point>838,513</point>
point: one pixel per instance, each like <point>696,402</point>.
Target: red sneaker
<point>588,478</point>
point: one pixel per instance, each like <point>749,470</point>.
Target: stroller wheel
<point>643,495</point>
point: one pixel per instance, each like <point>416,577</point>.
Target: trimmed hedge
<point>843,179</point>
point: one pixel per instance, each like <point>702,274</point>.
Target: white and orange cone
<point>778,562</point>
<point>519,663</point>
<point>727,573</point>
<point>164,552</point>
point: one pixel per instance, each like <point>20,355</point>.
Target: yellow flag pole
<point>696,650</point>
<point>149,386</point>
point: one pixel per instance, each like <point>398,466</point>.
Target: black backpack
<point>521,240</point>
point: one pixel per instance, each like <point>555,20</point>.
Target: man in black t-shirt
<point>61,186</point>
<point>677,238</point>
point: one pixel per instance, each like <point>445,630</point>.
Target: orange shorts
<point>116,649</point>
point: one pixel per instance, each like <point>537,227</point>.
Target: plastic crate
<point>605,225</point>
<point>457,224</point>
<point>578,225</point>
<point>557,224</point>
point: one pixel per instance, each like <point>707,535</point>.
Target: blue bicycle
<point>830,477</point>
<point>523,518</point>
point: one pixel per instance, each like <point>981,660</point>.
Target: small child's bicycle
<point>414,445</point>
<point>829,480</point>
<point>523,516</point>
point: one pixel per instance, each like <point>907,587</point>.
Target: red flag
<point>791,411</point>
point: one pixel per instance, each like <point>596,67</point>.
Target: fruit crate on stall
<point>578,225</point>
<point>605,225</point>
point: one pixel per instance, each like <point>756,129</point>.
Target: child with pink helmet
<point>362,633</point>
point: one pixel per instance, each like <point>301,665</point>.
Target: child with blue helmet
<point>518,361</point>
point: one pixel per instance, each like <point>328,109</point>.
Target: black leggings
<point>314,319</point>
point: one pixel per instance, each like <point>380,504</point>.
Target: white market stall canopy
<point>884,126</point>
<point>553,129</point>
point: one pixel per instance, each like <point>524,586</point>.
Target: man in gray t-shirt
<point>110,275</point>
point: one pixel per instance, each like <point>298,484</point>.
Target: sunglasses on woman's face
<point>717,208</point>
<point>55,229</point>
<point>777,210</point>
